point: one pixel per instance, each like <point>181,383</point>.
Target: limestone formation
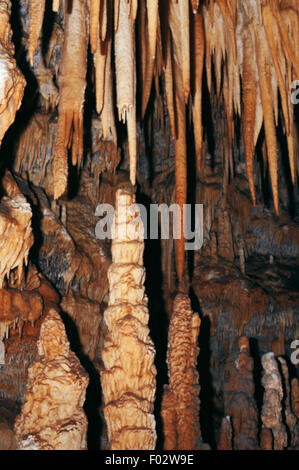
<point>272,407</point>
<point>240,402</point>
<point>128,372</point>
<point>52,417</point>
<point>181,404</point>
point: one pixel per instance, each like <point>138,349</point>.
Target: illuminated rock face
<point>52,417</point>
<point>12,82</point>
<point>128,373</point>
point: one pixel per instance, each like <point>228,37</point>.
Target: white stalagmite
<point>128,373</point>
<point>52,416</point>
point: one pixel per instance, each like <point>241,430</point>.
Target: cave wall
<point>244,279</point>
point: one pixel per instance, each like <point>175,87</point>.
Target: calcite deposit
<point>12,82</point>
<point>128,375</point>
<point>272,407</point>
<point>181,404</point>
<point>240,403</point>
<point>52,417</point>
<point>163,103</point>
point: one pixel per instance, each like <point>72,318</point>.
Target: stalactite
<point>266,98</point>
<point>18,307</point>
<point>126,79</point>
<point>247,49</point>
<point>168,73</point>
<point>152,19</point>
<point>52,417</point>
<point>12,81</point>
<point>128,373</point>
<point>107,116</point>
<point>37,10</point>
<point>199,51</point>
<point>272,408</point>
<point>183,12</point>
<point>55,5</point>
<point>180,404</point>
<point>194,4</point>
<point>17,238</point>
<point>95,7</point>
<point>249,97</point>
<point>100,60</point>
<point>72,83</point>
<point>149,51</point>
<point>180,77</point>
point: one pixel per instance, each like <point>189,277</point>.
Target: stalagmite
<point>180,405</point>
<point>128,373</point>
<point>272,407</point>
<point>290,417</point>
<point>240,402</point>
<point>12,82</point>
<point>72,83</point>
<point>295,396</point>
<point>225,441</point>
<point>52,417</point>
<point>266,439</point>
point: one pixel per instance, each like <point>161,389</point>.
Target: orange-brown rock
<point>18,307</point>
<point>266,439</point>
<point>295,396</point>
<point>240,402</point>
<point>225,440</point>
<point>7,437</point>
<point>180,405</point>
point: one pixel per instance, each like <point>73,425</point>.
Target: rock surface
<point>52,417</point>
